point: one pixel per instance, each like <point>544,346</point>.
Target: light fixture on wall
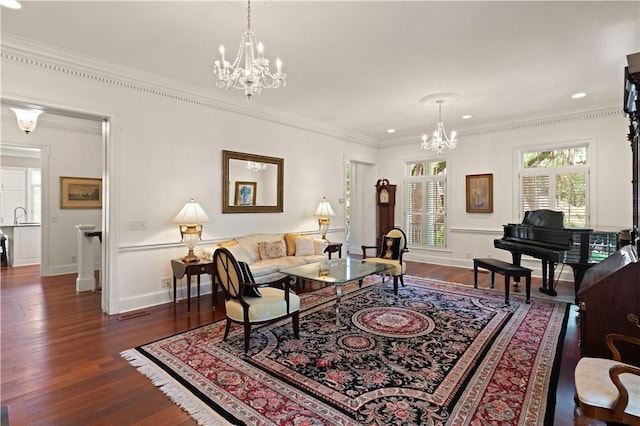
<point>439,140</point>
<point>248,71</point>
<point>191,218</point>
<point>323,212</point>
<point>27,119</point>
<point>256,167</point>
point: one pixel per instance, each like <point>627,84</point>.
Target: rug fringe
<point>200,412</point>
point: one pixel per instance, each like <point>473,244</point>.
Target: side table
<point>334,248</point>
<point>180,268</point>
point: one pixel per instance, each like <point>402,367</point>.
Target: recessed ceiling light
<point>11,4</point>
<point>391,130</point>
<point>467,116</point>
<point>578,95</point>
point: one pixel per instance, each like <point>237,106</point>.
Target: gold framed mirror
<point>252,183</point>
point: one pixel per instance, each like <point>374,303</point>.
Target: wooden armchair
<point>390,251</point>
<point>609,390</point>
<point>248,303</point>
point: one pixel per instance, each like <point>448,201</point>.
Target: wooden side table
<point>334,248</point>
<point>180,268</point>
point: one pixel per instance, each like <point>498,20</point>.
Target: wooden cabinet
<point>385,207</point>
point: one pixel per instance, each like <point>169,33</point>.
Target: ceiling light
<point>391,130</point>
<point>578,95</point>
<point>27,119</point>
<point>11,4</point>
<point>439,140</point>
<point>467,116</point>
<point>248,72</point>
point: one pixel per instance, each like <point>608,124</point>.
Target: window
<point>425,212</point>
<point>556,179</point>
<point>34,194</point>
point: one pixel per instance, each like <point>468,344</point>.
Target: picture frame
<point>245,193</point>
<point>480,193</point>
<point>80,193</point>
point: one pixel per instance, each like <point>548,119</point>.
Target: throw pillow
<point>290,242</point>
<point>319,245</point>
<point>271,250</point>
<point>304,246</point>
<point>238,252</point>
<point>228,243</point>
<point>247,277</point>
<point>390,248</point>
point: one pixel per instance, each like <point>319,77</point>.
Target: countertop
<point>20,225</point>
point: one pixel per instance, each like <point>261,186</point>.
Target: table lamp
<point>190,219</point>
<point>323,212</point>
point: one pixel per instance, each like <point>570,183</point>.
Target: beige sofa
<point>267,254</point>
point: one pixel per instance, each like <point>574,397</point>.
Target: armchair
<point>609,390</point>
<point>247,304</point>
<point>390,251</point>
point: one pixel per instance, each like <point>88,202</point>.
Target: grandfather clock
<point>385,201</point>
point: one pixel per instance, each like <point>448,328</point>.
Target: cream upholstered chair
<point>390,250</point>
<point>609,390</point>
<point>248,303</point>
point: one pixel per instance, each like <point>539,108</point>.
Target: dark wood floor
<point>60,355</point>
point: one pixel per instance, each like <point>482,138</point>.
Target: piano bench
<point>507,269</point>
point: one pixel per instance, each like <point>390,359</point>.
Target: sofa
<point>268,254</point>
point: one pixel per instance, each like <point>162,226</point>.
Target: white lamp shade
<point>324,209</point>
<point>27,118</point>
<point>191,213</point>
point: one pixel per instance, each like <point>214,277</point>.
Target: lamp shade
<point>324,208</point>
<point>191,213</point>
<point>27,119</point>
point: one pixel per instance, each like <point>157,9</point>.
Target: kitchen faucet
<point>15,214</point>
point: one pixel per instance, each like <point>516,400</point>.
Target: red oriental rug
<point>437,354</point>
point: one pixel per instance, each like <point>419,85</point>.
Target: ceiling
<point>364,66</point>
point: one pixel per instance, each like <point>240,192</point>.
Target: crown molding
<point>604,112</point>
<point>38,55</point>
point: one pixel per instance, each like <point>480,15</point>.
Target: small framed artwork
<point>80,193</point>
<point>246,193</point>
<point>480,193</point>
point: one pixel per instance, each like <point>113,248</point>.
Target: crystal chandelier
<point>439,140</point>
<point>249,72</point>
<point>256,167</point>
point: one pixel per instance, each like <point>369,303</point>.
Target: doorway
<point>360,179</point>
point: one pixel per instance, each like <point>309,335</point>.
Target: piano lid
<point>544,218</point>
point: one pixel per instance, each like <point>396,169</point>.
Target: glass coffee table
<point>337,272</point>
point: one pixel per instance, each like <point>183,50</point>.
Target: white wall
<point>165,147</point>
<point>496,151</point>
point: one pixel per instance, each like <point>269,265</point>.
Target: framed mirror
<point>251,183</point>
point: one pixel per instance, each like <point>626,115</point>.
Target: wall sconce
<point>191,218</point>
<point>323,212</point>
<point>27,119</point>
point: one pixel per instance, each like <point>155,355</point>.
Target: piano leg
<point>547,281</point>
<point>517,257</point>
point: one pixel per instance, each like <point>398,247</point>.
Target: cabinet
<point>13,184</point>
<point>23,244</point>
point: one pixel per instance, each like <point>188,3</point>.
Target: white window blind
<point>425,212</point>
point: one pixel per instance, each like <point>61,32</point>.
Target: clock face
<point>384,196</point>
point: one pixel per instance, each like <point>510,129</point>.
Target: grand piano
<point>543,236</point>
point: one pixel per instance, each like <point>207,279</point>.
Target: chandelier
<point>256,167</point>
<point>439,141</point>
<point>248,71</point>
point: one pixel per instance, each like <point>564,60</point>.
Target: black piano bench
<point>507,269</point>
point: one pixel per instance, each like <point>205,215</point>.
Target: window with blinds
<point>556,179</point>
<point>425,211</point>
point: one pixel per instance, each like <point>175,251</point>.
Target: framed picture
<point>246,193</point>
<point>480,193</point>
<point>80,193</point>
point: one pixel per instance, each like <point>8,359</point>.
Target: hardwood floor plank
<point>61,363</point>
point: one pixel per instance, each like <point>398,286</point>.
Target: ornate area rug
<point>438,353</point>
